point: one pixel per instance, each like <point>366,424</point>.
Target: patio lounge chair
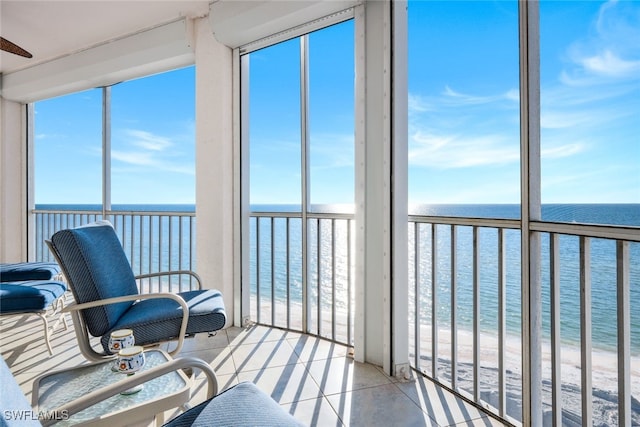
<point>33,288</point>
<point>107,297</point>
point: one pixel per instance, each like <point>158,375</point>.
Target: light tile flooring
<point>315,380</point>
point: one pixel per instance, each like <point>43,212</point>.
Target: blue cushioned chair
<point>33,288</point>
<point>107,295</point>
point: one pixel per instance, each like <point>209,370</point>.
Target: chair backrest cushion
<point>96,268</point>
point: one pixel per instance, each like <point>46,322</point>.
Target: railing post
<point>624,333</point>
<point>106,150</point>
<point>556,360</point>
<point>585,331</point>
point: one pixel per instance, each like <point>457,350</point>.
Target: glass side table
<point>165,392</point>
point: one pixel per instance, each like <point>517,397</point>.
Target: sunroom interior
<point>369,335</point>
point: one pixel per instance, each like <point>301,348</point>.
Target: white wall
<point>13,204</point>
<point>214,163</point>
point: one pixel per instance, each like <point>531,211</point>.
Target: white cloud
<point>460,151</point>
<point>610,64</point>
<point>418,104</point>
<point>147,151</point>
<point>560,151</point>
<point>453,97</point>
<point>134,158</point>
<point>148,141</point>
<point>611,52</point>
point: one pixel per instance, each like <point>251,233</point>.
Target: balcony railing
<point>465,299</point>
<point>466,316</point>
<point>294,267</point>
<point>153,240</point>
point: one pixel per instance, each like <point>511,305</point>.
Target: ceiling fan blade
<point>10,47</point>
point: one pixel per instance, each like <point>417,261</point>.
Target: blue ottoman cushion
<point>28,296</point>
<point>20,271</point>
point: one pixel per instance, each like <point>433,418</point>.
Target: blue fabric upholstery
<point>241,405</point>
<point>155,320</point>
<point>16,410</point>
<point>96,267</point>
<point>32,295</point>
<point>21,271</point>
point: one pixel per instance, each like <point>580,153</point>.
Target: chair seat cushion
<point>32,295</point>
<point>20,271</point>
<point>241,405</point>
<point>159,319</point>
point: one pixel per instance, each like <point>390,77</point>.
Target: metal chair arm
<point>101,394</point>
<point>74,307</point>
<point>172,273</point>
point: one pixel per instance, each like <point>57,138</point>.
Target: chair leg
<point>58,306</point>
<point>46,332</point>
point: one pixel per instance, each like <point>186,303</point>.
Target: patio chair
<point>107,297</point>
<point>33,288</point>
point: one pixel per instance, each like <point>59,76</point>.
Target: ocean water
<point>322,273</point>
<point>602,261</point>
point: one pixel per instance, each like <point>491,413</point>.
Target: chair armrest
<point>173,273</point>
<point>73,307</point>
<point>101,394</point>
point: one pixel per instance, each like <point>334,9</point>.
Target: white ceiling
<point>81,44</point>
<point>51,29</point>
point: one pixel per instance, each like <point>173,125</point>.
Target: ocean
<point>603,264</point>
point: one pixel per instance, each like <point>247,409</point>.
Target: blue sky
<point>463,115</point>
<point>152,155</point>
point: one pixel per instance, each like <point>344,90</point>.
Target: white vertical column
<point>399,209</point>
<point>531,211</point>
<point>360,186</point>
<point>13,181</point>
<point>214,163</point>
<point>374,202</point>
<point>241,179</point>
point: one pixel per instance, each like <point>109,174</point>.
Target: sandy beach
<point>604,375</point>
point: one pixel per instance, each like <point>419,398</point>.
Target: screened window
<point>590,105</point>
<point>464,108</point>
<point>68,149</point>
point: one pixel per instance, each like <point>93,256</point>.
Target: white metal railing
<point>464,299</point>
<point>154,241</point>
<point>471,343</point>
<point>302,279</point>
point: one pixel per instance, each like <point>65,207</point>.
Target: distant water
<point>603,270</point>
<point>121,207</point>
<point>610,214</point>
<point>603,265</point>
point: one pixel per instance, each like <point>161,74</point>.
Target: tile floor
<point>315,380</point>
